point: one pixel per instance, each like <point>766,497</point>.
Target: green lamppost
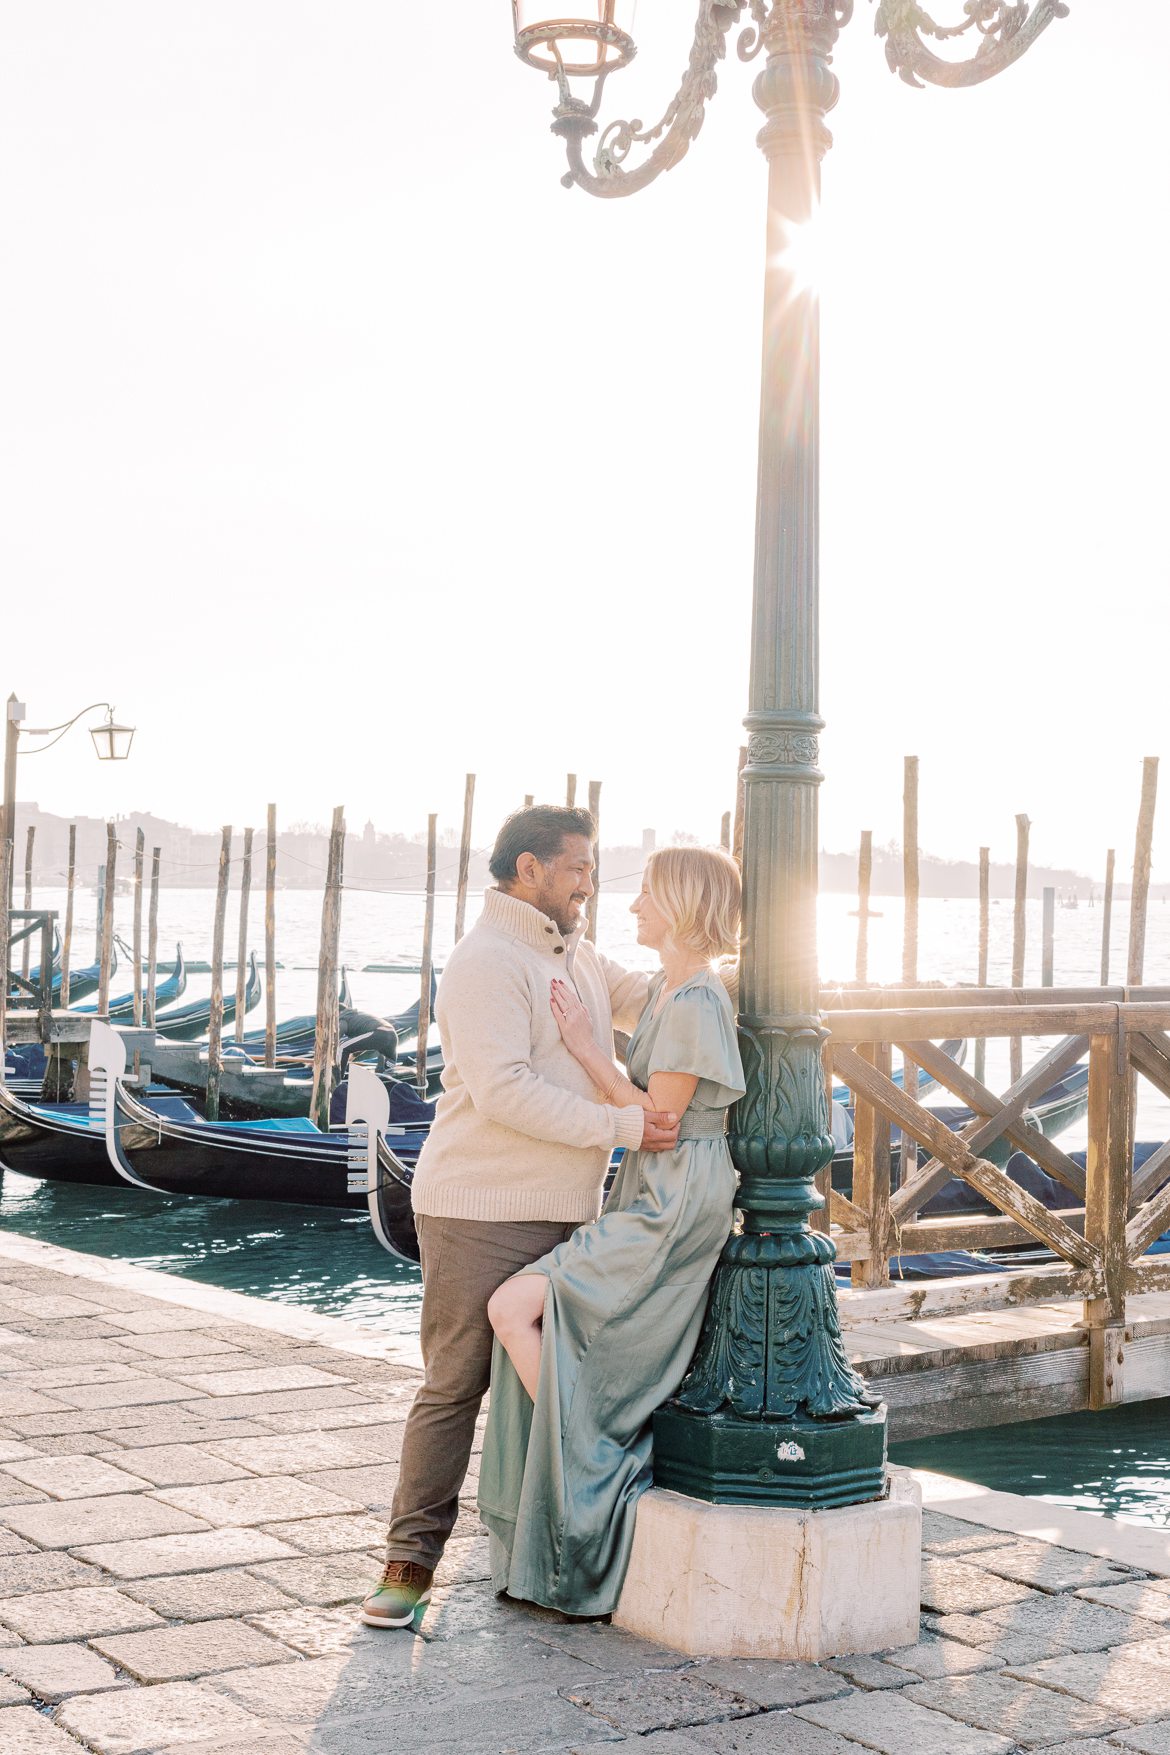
<point>771,1412</point>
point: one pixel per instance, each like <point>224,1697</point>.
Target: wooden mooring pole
<point>1107,914</point>
<point>594,901</point>
<point>215,1021</point>
<point>5,927</point>
<point>1047,935</point>
<point>570,790</point>
<point>529,800</point>
<point>908,1157</point>
<point>427,961</point>
<point>26,952</point>
<point>67,935</point>
<point>1019,935</point>
<point>725,832</point>
<point>270,942</point>
<point>326,1038</point>
<point>465,854</point>
<point>1140,889</point>
<point>109,885</point>
<point>136,936</point>
<point>984,942</point>
<point>242,941</point>
<point>152,936</point>
<point>101,909</point>
<point>864,876</point>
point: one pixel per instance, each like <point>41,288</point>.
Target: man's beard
<point>564,915</point>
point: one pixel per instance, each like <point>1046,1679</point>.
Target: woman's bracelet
<point>613,1085</point>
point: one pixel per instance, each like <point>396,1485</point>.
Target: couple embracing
<point>582,1324</point>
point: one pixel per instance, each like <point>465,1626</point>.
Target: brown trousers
<point>463,1262</point>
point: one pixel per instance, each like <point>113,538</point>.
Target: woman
<point>598,1333</point>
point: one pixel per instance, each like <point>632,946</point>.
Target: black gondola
<point>190,1021</point>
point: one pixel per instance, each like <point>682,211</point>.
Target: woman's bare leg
<point>516,1312</point>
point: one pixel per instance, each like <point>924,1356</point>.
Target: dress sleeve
<point>697,1035</point>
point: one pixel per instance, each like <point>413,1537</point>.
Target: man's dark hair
<point>540,830</point>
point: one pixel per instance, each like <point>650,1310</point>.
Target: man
<point>515,1161</point>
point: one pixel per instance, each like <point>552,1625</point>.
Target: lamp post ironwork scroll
<point>771,1411</point>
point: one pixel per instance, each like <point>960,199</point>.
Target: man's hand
<point>659,1131</point>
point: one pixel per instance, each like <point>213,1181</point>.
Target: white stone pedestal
<point>749,1581</point>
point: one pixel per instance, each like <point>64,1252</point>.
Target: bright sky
<point>345,451</point>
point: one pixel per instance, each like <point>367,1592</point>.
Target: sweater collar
<point>521,920</point>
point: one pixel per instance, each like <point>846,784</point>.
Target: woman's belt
<point>705,1124</point>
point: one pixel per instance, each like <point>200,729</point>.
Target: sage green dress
<point>560,1480</point>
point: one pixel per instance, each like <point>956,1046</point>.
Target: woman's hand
<point>573,1021</point>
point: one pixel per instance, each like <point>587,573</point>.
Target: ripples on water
<point>1116,1462</point>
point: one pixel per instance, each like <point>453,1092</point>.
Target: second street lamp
<point>771,1412</point>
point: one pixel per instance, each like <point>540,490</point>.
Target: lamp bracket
<point>671,136</point>
<point>1006,28</point>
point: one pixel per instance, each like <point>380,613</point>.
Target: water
<point>1115,1463</point>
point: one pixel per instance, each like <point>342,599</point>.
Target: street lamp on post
<point>110,740</point>
<point>771,1412</point>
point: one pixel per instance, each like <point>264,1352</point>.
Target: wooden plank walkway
<point>193,1487</point>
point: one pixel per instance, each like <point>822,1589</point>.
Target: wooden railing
<point>1112,1216</point>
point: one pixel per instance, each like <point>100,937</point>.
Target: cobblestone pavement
<point>191,1505</point>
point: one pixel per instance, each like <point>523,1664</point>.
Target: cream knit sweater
<point>520,1131</point>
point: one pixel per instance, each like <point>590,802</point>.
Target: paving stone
<point>376,1415</point>
<point>464,1561</point>
<point>198,1553</point>
<point>770,1733</point>
<point>334,1535</point>
<point>73,1350</point>
<point>186,1344</point>
<point>1074,1623</point>
<point>266,1379</point>
<point>872,1672</point>
<point>53,1377</point>
<point>1148,1598</point>
<point>178,1427</point>
<point>314,1632</point>
<point>343,1686</point>
<point>17,1403</point>
<point>167,1319</point>
<point>932,1659</point>
<point>13,1451</point>
<point>604,1647</point>
<point>955,1586</point>
<point>72,1444</point>
<point>136,1721</point>
<point>65,1420</point>
<point>26,1572</point>
<point>46,1617</point>
<point>53,1672</point>
<point>1124,1680</point>
<point>284,1401</point>
<point>11,1693</point>
<point>372,1485</point>
<point>14,1492</point>
<point>768,1684</point>
<point>55,1307</point>
<point>178,1654</point>
<point>10,1543</point>
<point>75,1477</point>
<point>1048,1568</point>
<point>178,1465</point>
<point>341,1579</point>
<point>25,1731</point>
<point>1148,1739</point>
<point>942,1534</point>
<point>383,1441</point>
<point>470,1608</point>
<point>292,1454</point>
<point>132,1393</point>
<point>656,1701</point>
<point>72,1523</point>
<point>207,1596</point>
<point>896,1726</point>
<point>1012,1645</point>
<point>519,1723</point>
<point>680,1742</point>
<point>256,1499</point>
<point>1027,1714</point>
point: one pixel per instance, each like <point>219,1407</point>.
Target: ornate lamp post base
<point>731,1461</point>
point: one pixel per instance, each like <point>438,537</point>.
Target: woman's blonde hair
<point>696,889</point>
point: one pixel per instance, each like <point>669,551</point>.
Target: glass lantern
<point>112,742</point>
<point>592,38</point>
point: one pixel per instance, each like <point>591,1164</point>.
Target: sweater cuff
<point>628,1124</point>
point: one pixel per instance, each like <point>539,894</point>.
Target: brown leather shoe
<point>405,1587</point>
